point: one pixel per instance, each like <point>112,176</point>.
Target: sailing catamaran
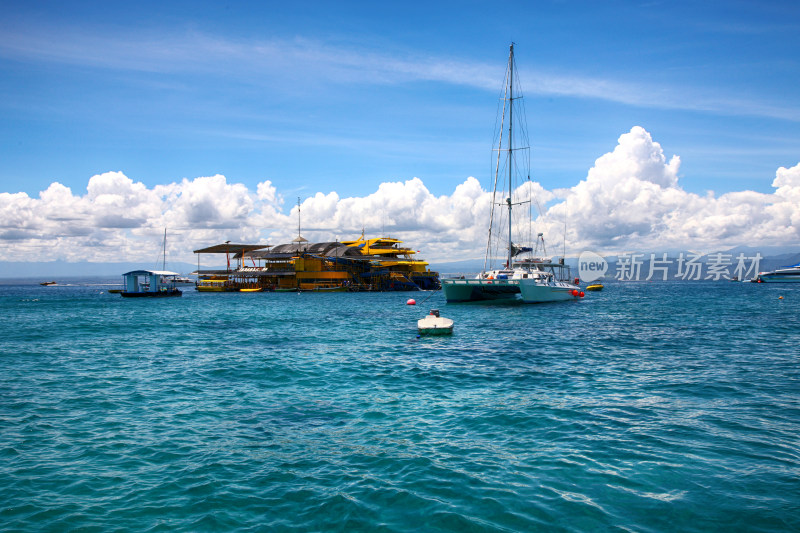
<point>529,278</point>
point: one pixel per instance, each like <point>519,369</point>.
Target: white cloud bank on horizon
<point>630,199</point>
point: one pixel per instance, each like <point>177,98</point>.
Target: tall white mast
<point>510,144</point>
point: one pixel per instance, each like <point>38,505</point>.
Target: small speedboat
<point>594,286</point>
<point>48,283</point>
<point>433,324</point>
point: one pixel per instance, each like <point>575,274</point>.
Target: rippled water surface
<point>668,406</point>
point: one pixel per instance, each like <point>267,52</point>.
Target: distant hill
<point>772,258</point>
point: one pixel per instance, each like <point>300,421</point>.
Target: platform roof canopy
<point>327,249</point>
<point>150,273</point>
<point>323,248</point>
<point>228,248</point>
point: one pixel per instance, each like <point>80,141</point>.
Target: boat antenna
<point>530,210</point>
<point>164,261</point>
<point>566,211</point>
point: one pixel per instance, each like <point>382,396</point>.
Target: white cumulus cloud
<point>631,199</point>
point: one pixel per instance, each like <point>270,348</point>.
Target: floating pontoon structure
<point>149,283</point>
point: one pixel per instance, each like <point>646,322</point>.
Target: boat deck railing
<point>485,281</point>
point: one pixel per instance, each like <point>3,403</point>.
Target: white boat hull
<point>555,291</point>
<point>526,290</point>
<point>774,277</point>
<point>789,274</point>
<point>435,325</point>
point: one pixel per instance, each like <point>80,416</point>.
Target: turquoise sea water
<point>670,406</point>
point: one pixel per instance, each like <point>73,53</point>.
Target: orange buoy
<point>780,297</point>
<point>411,301</point>
<point>574,292</point>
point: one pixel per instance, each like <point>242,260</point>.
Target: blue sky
<point>311,94</point>
<point>317,97</point>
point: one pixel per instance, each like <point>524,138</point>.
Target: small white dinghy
<point>433,324</point>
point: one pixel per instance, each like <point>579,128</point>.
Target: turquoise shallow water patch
<point>662,406</point>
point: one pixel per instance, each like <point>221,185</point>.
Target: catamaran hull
<point>476,290</point>
<point>534,293</point>
<point>528,291</point>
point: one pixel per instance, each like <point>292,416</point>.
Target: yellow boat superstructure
<point>404,269</point>
<point>377,264</point>
<point>211,285</point>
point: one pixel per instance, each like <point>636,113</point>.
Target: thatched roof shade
<point>229,247</point>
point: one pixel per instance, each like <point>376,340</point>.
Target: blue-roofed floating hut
<point>153,283</point>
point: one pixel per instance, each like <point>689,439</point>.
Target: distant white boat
<point>433,324</point>
<point>790,274</point>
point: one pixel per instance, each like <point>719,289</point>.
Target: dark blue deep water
<point>670,406</point>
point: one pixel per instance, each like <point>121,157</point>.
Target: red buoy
<point>411,301</point>
<point>582,294</point>
<point>574,292</point>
